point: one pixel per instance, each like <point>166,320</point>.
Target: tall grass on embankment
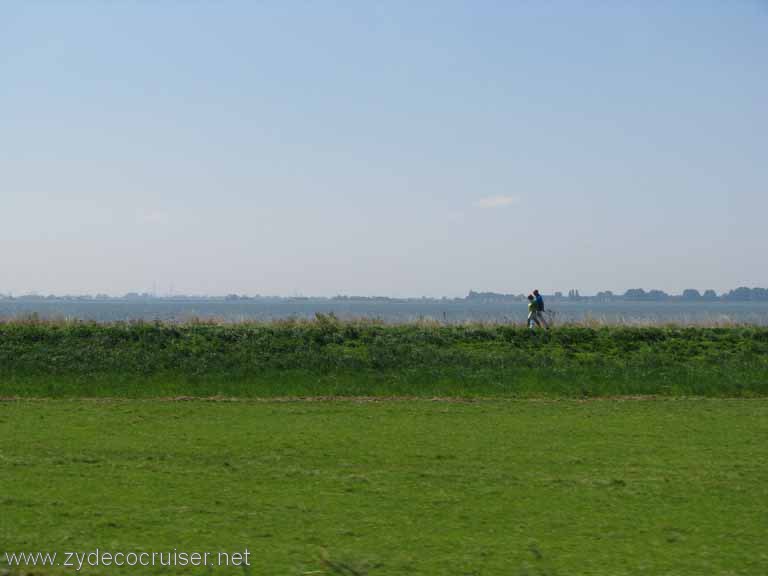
<point>330,357</point>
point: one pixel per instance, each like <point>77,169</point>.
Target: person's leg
<point>543,319</point>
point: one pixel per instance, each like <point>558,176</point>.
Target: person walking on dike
<point>540,309</point>
<point>533,316</point>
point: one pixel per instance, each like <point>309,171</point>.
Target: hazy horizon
<point>394,149</point>
<point>154,293</point>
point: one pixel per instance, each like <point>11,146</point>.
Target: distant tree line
<point>741,294</point>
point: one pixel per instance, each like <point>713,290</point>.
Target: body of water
<point>449,311</point>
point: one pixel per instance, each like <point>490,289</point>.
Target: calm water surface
<point>451,311</point>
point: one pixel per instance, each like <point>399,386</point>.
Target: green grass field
<point>92,456</point>
<point>393,487</point>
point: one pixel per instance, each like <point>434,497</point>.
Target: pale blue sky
<point>391,148</point>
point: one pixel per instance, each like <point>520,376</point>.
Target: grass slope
<point>490,487</point>
<point>328,357</point>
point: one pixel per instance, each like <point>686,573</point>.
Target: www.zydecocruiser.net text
<point>101,558</point>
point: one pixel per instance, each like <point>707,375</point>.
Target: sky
<point>390,148</point>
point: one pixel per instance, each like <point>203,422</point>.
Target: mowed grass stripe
<point>396,487</point>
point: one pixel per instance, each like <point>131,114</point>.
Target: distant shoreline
<point>741,294</point>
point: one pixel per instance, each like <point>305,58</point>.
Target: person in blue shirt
<point>540,309</point>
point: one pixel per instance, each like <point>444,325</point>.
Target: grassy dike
<point>329,357</point>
